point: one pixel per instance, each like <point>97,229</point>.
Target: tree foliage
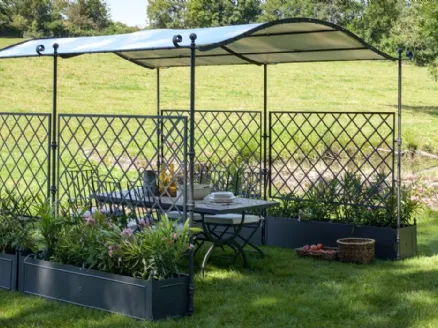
<point>42,18</point>
<point>385,24</point>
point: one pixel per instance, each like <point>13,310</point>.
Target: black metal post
<point>265,143</point>
<point>158,92</point>
<point>399,150</point>
<point>191,202</point>
<point>54,146</point>
<point>159,129</point>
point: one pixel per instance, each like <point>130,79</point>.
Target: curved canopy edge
<point>283,41</point>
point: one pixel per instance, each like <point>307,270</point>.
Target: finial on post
<point>55,48</point>
<point>177,39</point>
<point>193,37</point>
<point>409,53</point>
<point>39,49</point>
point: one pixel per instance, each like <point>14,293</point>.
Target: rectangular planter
<point>8,271</point>
<point>291,233</point>
<point>140,299</point>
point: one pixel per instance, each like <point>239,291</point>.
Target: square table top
<point>201,206</point>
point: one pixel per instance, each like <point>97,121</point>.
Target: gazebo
<point>293,40</point>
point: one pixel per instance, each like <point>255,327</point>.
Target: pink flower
<point>174,236</point>
<point>191,246</point>
<point>369,209</point>
<point>90,220</point>
<point>414,198</point>
<point>127,232</point>
<point>102,211</point>
<point>111,250</point>
<point>142,223</point>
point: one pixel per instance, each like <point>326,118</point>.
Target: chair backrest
<point>108,186</point>
<point>80,185</point>
<point>140,197</point>
<point>219,180</point>
<point>249,185</point>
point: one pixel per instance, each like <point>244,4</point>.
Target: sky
<point>130,12</point>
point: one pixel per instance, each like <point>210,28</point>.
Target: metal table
<point>239,205</point>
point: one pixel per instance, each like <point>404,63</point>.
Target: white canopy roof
<point>283,41</point>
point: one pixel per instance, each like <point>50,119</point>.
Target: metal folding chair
<point>109,186</point>
<point>79,185</point>
<point>247,185</point>
<point>140,198</point>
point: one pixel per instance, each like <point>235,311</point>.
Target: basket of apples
<point>319,252</point>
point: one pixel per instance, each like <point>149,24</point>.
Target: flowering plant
<point>152,252</point>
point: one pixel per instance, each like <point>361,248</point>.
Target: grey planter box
<point>140,299</point>
<point>291,233</point>
<point>8,271</point>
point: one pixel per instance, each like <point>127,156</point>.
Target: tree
<point>167,13</point>
<point>5,15</point>
<point>87,14</point>
<point>377,20</point>
<point>30,16</point>
<point>341,12</point>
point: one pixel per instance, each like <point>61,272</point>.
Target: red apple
<point>306,248</point>
<point>313,248</point>
<point>320,246</point>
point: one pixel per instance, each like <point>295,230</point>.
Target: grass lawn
<point>279,291</point>
<point>108,84</point>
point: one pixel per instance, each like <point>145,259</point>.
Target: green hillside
<point>108,84</point>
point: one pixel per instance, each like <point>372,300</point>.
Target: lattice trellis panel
<point>24,156</point>
<point>313,152</point>
<point>226,141</point>
<point>224,138</point>
<point>105,153</point>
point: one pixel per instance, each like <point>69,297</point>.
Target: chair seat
<point>232,219</point>
<point>175,215</point>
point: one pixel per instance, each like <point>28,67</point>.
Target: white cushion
<point>132,224</point>
<point>175,215</point>
<point>232,219</point>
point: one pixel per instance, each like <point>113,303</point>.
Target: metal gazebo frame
<point>217,47</point>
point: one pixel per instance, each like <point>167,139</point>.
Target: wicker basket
<point>332,255</point>
<point>356,250</point>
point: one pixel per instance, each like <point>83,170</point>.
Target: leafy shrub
<point>346,200</point>
<point>48,227</point>
<point>15,230</point>
<point>153,252</point>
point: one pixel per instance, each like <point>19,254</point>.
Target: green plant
<point>154,252</point>
<point>322,199</point>
<point>48,226</point>
<point>290,207</point>
<point>15,229</point>
<point>352,200</point>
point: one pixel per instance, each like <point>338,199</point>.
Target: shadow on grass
<point>431,110</point>
<point>428,234</point>
<point>32,311</point>
<point>280,290</point>
<point>307,293</point>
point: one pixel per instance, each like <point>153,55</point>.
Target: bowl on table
<point>200,191</point>
<point>220,197</point>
